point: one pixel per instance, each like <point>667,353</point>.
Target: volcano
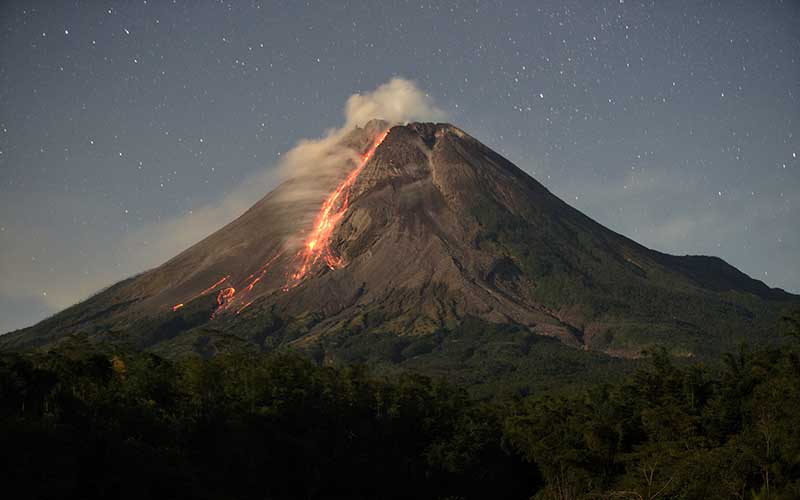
<point>423,236</point>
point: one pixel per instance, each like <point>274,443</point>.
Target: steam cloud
<point>314,162</point>
<point>398,101</point>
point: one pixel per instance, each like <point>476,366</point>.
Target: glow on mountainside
<point>316,248</point>
<point>204,292</point>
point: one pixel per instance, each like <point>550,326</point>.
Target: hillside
<point>426,250</point>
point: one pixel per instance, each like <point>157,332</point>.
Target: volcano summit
<point>421,233</point>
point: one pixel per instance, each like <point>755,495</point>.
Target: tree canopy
<point>80,423</point>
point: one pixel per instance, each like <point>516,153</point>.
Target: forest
<point>81,422</point>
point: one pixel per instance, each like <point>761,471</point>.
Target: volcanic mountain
<point>425,233</point>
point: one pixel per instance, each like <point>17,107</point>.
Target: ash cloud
<point>311,166</point>
<point>397,101</point>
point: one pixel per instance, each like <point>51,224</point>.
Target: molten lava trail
<point>262,271</point>
<point>227,302</point>
<point>204,292</point>
<point>318,245</point>
<point>224,298</point>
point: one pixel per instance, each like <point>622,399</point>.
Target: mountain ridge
<point>434,229</point>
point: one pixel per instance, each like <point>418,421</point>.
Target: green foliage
<point>669,432</point>
<point>97,425</point>
<point>81,423</point>
<point>643,299</point>
<point>491,360</point>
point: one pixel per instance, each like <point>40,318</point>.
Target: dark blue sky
<point>674,123</point>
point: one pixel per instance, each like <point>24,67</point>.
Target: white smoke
<point>397,101</point>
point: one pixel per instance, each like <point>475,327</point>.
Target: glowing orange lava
<point>244,307</point>
<point>207,290</point>
<point>261,272</point>
<point>317,245</point>
<point>226,302</point>
<point>224,298</point>
<point>225,295</point>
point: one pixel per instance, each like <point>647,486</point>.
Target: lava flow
<point>316,247</point>
<point>207,290</point>
<point>333,209</point>
<point>226,301</point>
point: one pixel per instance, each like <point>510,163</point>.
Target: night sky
<point>674,123</point>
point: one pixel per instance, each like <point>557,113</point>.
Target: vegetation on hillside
<point>78,423</point>
<point>632,297</point>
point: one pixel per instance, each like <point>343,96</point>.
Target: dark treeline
<point>76,423</point>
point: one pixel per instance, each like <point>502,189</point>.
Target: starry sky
<point>124,123</point>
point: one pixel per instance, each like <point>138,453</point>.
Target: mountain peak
<point>425,228</point>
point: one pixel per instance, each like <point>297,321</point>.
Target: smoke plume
<point>315,165</point>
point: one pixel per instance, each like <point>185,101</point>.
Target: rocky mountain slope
<point>425,231</point>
